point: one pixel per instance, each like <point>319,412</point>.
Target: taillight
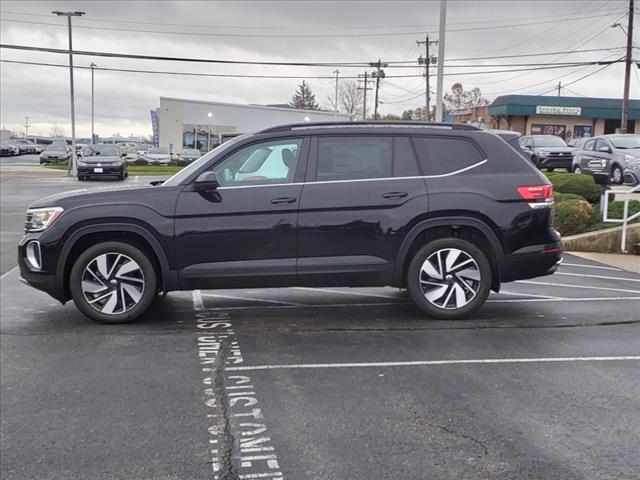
<point>536,192</point>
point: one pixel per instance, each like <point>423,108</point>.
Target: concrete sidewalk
<point>627,262</point>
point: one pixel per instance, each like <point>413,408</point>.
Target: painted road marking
<point>421,363</point>
<point>504,292</point>
<point>589,266</point>
<point>386,304</point>
<point>529,282</point>
<point>8,272</point>
<point>233,297</point>
<point>599,276</point>
<point>345,292</point>
<point>238,436</point>
<point>196,295</point>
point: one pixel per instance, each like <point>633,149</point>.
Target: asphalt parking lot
<point>543,383</point>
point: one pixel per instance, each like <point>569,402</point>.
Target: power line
<point>577,80</point>
<point>304,35</point>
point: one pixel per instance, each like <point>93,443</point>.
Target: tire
<point>535,161</point>
<point>128,295</point>
<point>424,267</point>
<point>577,170</point>
<point>617,176</point>
<point>550,169</point>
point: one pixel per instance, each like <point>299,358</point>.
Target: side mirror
<point>123,155</point>
<point>79,155</point>
<point>206,182</point>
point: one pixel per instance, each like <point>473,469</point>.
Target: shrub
<point>563,197</point>
<point>572,216</point>
<point>582,185</point>
<point>140,161</point>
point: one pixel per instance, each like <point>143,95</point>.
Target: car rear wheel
<point>113,282</point>
<point>616,175</point>
<point>449,278</point>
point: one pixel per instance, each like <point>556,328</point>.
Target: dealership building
<point>567,117</point>
<point>180,123</point>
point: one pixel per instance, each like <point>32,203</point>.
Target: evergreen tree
<point>304,98</point>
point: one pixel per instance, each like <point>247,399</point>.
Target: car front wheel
<point>113,282</point>
<point>449,278</point>
<point>616,175</point>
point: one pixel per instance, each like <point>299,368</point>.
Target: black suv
<point>548,151</point>
<point>445,211</point>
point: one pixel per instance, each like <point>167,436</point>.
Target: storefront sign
<point>549,110</point>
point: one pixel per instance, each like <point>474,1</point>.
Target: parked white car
<point>157,156</point>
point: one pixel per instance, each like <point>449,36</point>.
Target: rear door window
<point>354,158</point>
<point>446,155</point>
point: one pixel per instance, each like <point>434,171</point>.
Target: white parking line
<point>529,282</point>
<point>589,266</point>
<point>344,292</point>
<point>233,297</point>
<point>196,295</point>
<point>504,292</point>
<point>8,272</point>
<point>422,363</point>
<point>605,277</point>
<point>563,299</point>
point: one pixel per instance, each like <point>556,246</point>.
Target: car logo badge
<point>99,164</point>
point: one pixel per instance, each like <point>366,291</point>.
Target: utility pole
<point>378,73</point>
<point>443,26</point>
<point>559,87</point>
<point>336,71</point>
<point>73,164</point>
<point>26,126</point>
<point>627,72</point>
<point>365,88</point>
<point>93,133</point>
<point>427,62</point>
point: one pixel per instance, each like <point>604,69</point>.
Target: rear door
<point>361,193</point>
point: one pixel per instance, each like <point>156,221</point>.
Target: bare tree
<point>350,99</point>
<point>56,130</point>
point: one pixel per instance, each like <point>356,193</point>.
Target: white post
<point>93,136</point>
<point>443,26</point>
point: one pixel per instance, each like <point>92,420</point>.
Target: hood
<point>100,159</point>
<point>629,151</point>
<point>157,155</point>
<point>556,149</point>
<point>86,196</point>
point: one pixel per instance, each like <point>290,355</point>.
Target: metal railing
<point>625,212</point>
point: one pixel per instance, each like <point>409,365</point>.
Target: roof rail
<point>397,124</point>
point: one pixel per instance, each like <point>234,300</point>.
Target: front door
<point>360,194</point>
<point>244,233</point>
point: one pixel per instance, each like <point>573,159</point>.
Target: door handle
<point>393,195</point>
<point>283,200</point>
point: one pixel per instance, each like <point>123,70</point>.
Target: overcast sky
<point>302,31</point>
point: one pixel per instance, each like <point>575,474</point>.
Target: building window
<point>544,129</point>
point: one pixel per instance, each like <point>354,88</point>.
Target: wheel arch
<point>120,231</point>
<point>457,226</point>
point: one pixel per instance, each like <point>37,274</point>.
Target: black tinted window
<point>440,155</point>
<point>352,158</point>
<point>404,159</point>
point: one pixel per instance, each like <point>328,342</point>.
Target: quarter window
<point>261,164</point>
<point>353,158</point>
<point>441,156</point>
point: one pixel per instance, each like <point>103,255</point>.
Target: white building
<point>196,124</point>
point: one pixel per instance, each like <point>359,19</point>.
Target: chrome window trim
<point>323,182</point>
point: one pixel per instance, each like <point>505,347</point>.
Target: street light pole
<point>93,135</point>
<point>209,117</point>
<point>627,72</point>
<point>440,78</point>
<point>73,166</point>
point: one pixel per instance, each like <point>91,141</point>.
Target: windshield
<point>624,143</point>
<point>550,141</point>
<point>55,148</point>
<point>163,150</point>
<point>196,165</point>
<point>102,150</point>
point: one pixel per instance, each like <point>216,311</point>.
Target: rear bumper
<point>531,262</point>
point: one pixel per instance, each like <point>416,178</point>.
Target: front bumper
<point>554,162</point>
<point>631,176</point>
<point>44,279</point>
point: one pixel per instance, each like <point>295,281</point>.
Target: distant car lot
<point>321,383</point>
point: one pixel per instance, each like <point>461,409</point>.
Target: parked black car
<point>102,160</point>
<point>548,151</point>
<point>446,211</point>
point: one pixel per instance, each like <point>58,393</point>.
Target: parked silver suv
<point>618,155</point>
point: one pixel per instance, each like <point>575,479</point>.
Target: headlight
<point>81,164</point>
<point>544,154</point>
<point>631,160</point>
<point>39,219</point>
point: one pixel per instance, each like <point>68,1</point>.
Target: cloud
<point>123,100</point>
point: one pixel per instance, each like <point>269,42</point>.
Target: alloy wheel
<point>113,283</point>
<point>616,175</point>
<point>450,278</point>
